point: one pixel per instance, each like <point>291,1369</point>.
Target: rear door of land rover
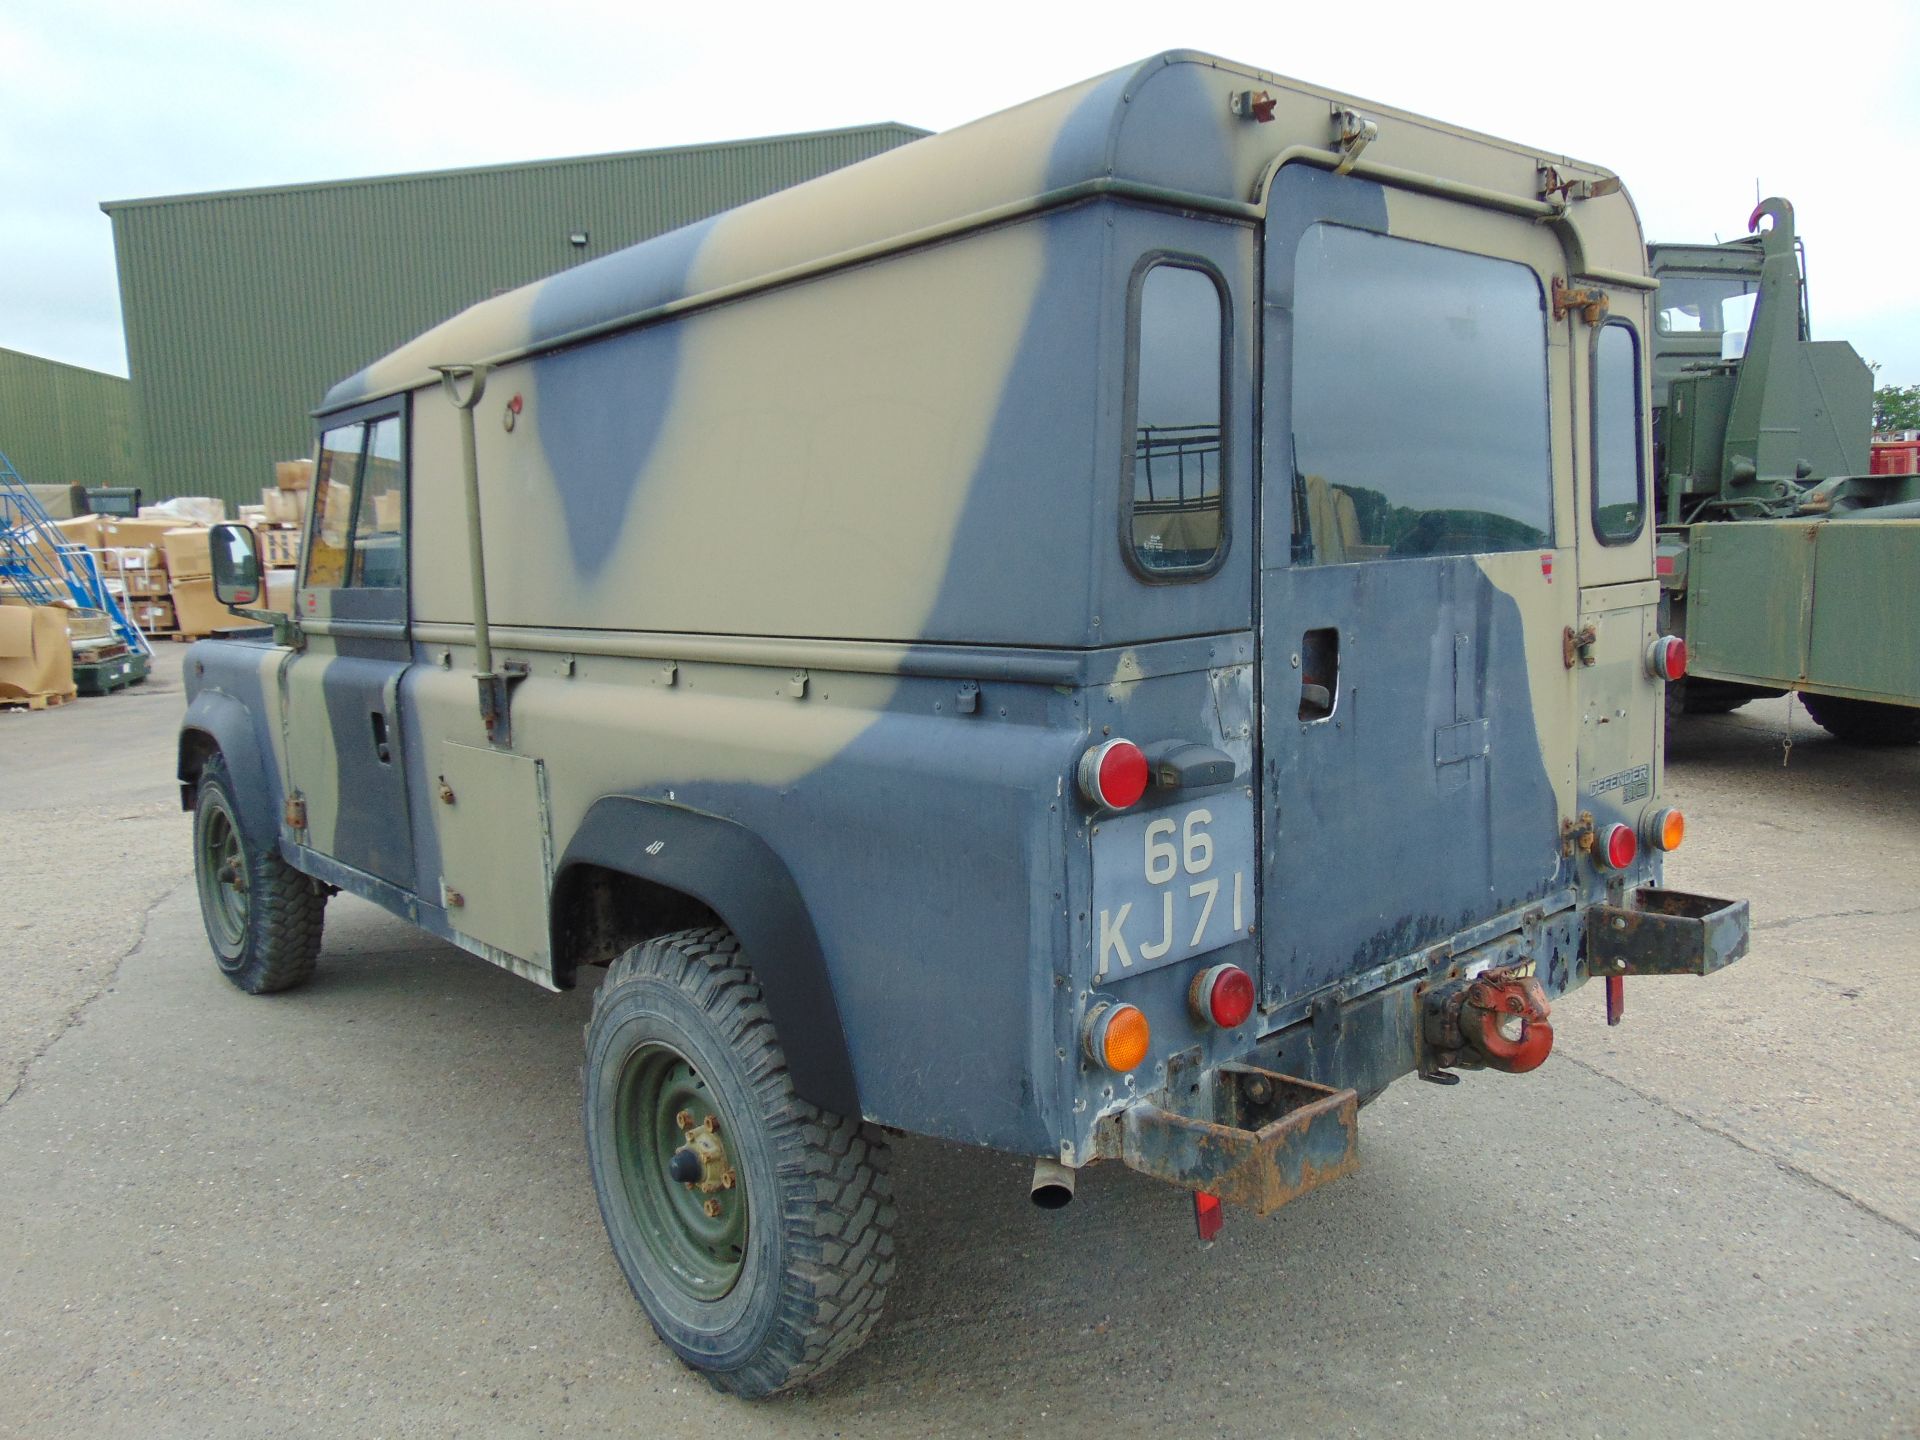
<point>1417,531</point>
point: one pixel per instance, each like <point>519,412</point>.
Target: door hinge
<point>1591,303</point>
<point>1565,189</point>
<point>296,812</point>
<point>1577,645</point>
<point>1352,133</point>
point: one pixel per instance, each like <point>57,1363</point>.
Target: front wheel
<point>1864,722</point>
<point>263,917</point>
<point>754,1228</point>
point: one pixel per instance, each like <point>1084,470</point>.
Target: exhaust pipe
<point>1052,1184</point>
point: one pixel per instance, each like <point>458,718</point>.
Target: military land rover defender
<point>1112,634</point>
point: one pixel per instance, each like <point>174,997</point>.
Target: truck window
<point>1619,482</point>
<point>1178,376</point>
<point>379,554</point>
<point>1420,403</point>
<point>335,475</point>
<point>1702,304</point>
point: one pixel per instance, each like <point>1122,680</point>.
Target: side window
<point>1619,482</point>
<point>1420,410</point>
<point>335,477</point>
<point>1175,523</point>
<point>379,548</point>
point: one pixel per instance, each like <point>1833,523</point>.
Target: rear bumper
<point>1256,1138</point>
<point>1665,932</point>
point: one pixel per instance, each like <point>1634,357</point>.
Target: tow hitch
<point>1497,1020</point>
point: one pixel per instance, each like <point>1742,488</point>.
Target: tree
<point>1896,407</point>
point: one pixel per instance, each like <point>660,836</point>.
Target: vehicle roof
<point>1163,124</point>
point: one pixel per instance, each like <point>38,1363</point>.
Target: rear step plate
<point>1269,1138</point>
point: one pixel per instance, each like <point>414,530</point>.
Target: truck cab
<point>1110,634</point>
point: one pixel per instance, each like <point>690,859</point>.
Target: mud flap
<point>1260,1140</point>
<point>1666,932</point>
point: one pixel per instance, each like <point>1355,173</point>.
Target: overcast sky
<point>1690,102</point>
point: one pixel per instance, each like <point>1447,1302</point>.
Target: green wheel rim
<point>223,880</point>
<point>695,1232</point>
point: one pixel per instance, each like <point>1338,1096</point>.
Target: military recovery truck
<point>958,642</point>
<point>1786,565</point>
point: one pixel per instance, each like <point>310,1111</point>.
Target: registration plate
<point>1171,884</point>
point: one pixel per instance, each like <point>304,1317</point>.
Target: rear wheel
<point>754,1228</point>
<point>263,917</point>
<point>1864,722</point>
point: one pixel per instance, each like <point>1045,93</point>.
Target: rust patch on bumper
<point>1264,1139</point>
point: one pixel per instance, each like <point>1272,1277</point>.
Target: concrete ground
<point>362,1208</point>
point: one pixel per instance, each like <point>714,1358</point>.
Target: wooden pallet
<point>39,700</point>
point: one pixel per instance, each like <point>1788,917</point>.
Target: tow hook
<point>1497,1019</point>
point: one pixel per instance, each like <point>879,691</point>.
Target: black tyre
<point>1864,722</point>
<point>754,1228</point>
<point>263,917</point>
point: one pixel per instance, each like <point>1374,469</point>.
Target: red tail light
<point>1114,775</point>
<point>1667,658</point>
<point>1616,846</point>
<point>1222,995</point>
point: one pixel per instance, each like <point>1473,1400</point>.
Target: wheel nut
<point>713,1124</point>
<point>712,1207</point>
<point>684,1119</point>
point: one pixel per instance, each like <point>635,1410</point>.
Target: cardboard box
<point>188,556</point>
<point>280,587</point>
<point>40,544</point>
<point>284,507</point>
<point>138,571</point>
<point>278,547</point>
<point>156,617</point>
<point>87,530</point>
<point>35,655</point>
<point>293,474</point>
<point>195,610</point>
<point>147,584</point>
<point>254,515</point>
<point>136,534</point>
<point>386,511</point>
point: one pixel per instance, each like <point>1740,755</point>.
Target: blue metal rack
<point>46,567</point>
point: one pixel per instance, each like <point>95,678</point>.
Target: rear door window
<point>1420,404</point>
<point>1619,476</point>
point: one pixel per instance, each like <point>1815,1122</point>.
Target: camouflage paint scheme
<point>782,488</point>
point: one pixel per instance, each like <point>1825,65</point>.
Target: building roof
<point>469,172</point>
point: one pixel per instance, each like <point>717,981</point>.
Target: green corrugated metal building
<point>242,308</point>
<point>62,425</point>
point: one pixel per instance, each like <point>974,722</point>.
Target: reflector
<point>1207,1216</point>
<point>1114,774</point>
<point>1223,994</point>
<point>1618,846</point>
<point>1118,1037</point>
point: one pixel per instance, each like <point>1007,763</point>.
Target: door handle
<point>380,746</point>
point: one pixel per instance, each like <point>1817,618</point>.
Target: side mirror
<point>236,565</point>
